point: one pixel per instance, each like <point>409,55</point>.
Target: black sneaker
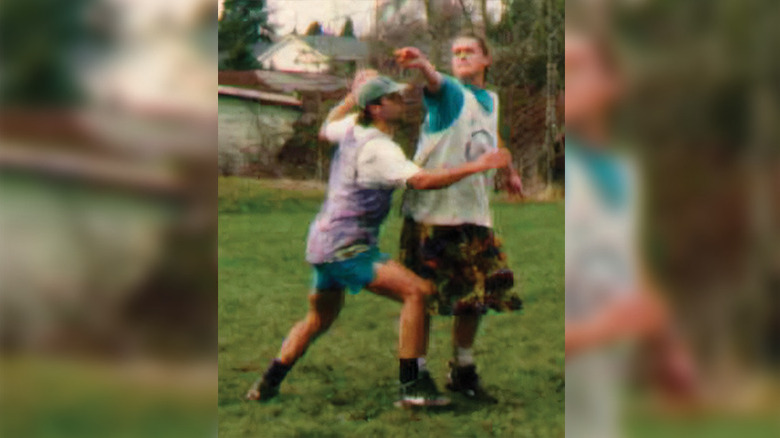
<point>262,391</point>
<point>465,380</point>
<point>267,386</point>
<point>421,392</point>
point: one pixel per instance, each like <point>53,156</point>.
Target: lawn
<point>347,382</point>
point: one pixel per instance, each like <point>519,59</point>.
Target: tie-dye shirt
<point>365,169</point>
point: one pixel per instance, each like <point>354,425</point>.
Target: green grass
<point>346,383</point>
<point>759,425</point>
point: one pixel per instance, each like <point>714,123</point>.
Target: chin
<point>464,73</point>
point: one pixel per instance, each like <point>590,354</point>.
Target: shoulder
<point>450,87</point>
<point>380,146</point>
<point>335,131</point>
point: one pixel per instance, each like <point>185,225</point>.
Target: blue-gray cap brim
<point>376,88</point>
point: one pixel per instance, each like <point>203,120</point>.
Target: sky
<point>289,14</point>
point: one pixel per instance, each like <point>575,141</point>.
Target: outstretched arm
<point>439,178</point>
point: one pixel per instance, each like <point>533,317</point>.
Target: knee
<point>419,291</point>
<point>426,287</point>
<point>318,324</point>
<point>314,325</point>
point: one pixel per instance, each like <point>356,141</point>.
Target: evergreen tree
<point>349,29</point>
<point>244,24</point>
<point>36,52</point>
<point>314,29</point>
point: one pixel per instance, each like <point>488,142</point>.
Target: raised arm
<point>345,107</point>
<point>412,57</point>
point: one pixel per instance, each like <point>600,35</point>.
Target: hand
<point>495,159</point>
<point>410,57</point>
<point>639,315</point>
<point>514,184</point>
<point>361,77</point>
<point>350,100</point>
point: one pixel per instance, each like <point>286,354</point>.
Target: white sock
<point>421,364</point>
<point>463,357</point>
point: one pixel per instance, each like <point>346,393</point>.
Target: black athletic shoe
<point>262,391</point>
<point>267,386</point>
<point>421,392</point>
<point>465,380</point>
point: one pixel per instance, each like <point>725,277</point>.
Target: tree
<point>349,29</point>
<point>484,14</point>
<point>244,24</point>
<point>37,52</point>
<point>315,28</point>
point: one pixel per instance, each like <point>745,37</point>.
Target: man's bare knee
<point>318,324</point>
<point>314,324</point>
<point>418,291</point>
<point>429,288</point>
<point>424,287</point>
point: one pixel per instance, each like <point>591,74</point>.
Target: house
<point>312,54</point>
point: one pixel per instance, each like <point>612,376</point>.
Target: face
<point>391,109</point>
<point>591,89</point>
<point>468,59</point>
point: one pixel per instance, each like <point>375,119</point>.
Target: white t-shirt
<point>381,162</point>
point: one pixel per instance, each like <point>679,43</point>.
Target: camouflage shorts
<point>466,264</point>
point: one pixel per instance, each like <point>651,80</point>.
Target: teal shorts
<point>353,273</point>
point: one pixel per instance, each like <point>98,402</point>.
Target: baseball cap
<point>377,87</point>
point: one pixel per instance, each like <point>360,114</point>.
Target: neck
<point>478,80</point>
<point>383,126</point>
<point>594,132</point>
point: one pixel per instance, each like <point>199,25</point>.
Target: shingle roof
<point>283,82</point>
<point>343,48</point>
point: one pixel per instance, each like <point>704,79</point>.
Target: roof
<point>262,96</point>
<point>261,47</point>
<point>340,48</point>
<point>288,81</point>
<point>343,48</point>
<point>283,82</point>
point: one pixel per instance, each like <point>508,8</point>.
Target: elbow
<point>322,137</point>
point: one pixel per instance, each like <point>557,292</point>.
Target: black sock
<point>276,372</point>
<point>409,370</point>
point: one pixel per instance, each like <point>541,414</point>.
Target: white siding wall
<point>297,56</point>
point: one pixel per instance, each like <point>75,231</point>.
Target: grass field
<point>346,383</point>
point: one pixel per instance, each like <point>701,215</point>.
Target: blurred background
<point>691,94</point>
<point>108,225</point>
<point>108,132</point>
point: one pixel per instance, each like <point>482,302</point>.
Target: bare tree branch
<point>466,15</point>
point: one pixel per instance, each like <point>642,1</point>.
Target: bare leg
<point>398,283</point>
<point>464,330</point>
<point>324,307</point>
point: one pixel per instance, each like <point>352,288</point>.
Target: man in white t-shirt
<point>342,246</point>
